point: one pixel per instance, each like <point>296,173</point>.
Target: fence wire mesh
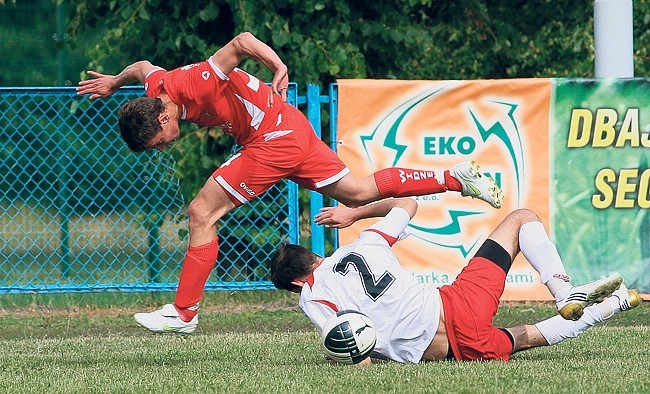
<point>80,212</point>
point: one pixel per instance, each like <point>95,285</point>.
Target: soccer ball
<point>348,337</point>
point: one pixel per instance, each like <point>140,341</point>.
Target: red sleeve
<point>153,82</point>
<point>195,83</point>
<point>391,240</point>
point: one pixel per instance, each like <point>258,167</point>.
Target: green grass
<point>254,342</point>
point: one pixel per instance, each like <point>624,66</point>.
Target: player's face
<point>167,136</point>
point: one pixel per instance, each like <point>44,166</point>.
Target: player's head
<point>291,262</point>
<point>144,119</point>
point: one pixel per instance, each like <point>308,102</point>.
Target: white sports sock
<point>557,329</point>
<point>609,307</point>
<point>542,254</point>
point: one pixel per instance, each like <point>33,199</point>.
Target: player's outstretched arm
<point>342,216</point>
<point>246,44</point>
<point>104,85</point>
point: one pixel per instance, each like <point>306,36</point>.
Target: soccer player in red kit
<point>278,142</point>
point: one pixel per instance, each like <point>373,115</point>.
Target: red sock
<point>198,264</point>
<point>452,183</point>
<point>402,182</point>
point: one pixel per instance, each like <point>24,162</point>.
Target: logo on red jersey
<point>208,114</point>
<point>226,127</point>
<point>205,75</point>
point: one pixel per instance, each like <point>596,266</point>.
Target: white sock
<point>557,329</point>
<point>609,307</point>
<point>542,254</point>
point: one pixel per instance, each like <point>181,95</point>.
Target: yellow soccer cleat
<point>572,305</point>
<point>627,299</point>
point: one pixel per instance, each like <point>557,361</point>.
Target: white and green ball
<point>349,337</point>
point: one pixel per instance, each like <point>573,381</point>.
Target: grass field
<point>259,342</point>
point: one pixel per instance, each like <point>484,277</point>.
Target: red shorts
<point>470,304</point>
<point>292,151</point>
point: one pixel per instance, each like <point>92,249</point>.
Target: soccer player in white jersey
<point>415,322</point>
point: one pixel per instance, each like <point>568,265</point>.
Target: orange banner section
<point>433,125</point>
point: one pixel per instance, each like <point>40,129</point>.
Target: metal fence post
<point>334,120</point>
<point>315,198</point>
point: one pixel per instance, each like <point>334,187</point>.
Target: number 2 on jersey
<point>374,288</point>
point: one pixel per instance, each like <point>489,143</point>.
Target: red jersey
<point>237,103</point>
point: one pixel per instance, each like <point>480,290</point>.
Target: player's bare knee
<point>199,216</point>
<point>522,215</point>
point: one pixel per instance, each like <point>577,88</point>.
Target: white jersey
<point>365,276</point>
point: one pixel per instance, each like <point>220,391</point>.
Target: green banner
<point>599,194</point>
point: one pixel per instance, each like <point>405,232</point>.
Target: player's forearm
<point>381,208</point>
<point>135,72</point>
<point>248,45</point>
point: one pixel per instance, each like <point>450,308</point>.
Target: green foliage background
<point>320,41</point>
<point>324,40</point>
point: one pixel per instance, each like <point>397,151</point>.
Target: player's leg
<point>402,182</point>
<point>240,179</point>
<point>472,301</point>
<point>556,329</point>
<point>210,204</point>
<point>542,255</point>
<point>322,170</point>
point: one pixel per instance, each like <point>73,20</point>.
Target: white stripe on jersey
<point>332,179</point>
<point>276,134</point>
<point>222,75</point>
<point>221,181</point>
<point>153,71</point>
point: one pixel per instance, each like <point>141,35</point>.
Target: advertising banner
<point>503,125</point>
<point>600,196</point>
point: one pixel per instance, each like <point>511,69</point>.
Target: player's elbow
<point>409,204</point>
<point>143,64</point>
<point>243,40</point>
<point>245,35</point>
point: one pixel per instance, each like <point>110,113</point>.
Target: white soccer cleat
<point>627,299</point>
<point>572,305</point>
<point>166,320</point>
<point>476,185</point>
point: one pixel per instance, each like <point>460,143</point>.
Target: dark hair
<point>290,262</point>
<point>138,120</point>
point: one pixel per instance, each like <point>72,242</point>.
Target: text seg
<point>624,190</point>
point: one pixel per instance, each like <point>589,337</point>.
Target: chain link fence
<point>80,212</point>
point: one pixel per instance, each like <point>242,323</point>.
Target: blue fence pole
<point>316,199</point>
<point>334,120</point>
<point>294,209</point>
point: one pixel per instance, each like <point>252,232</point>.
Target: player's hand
<point>101,86</point>
<point>336,217</point>
<point>280,84</point>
